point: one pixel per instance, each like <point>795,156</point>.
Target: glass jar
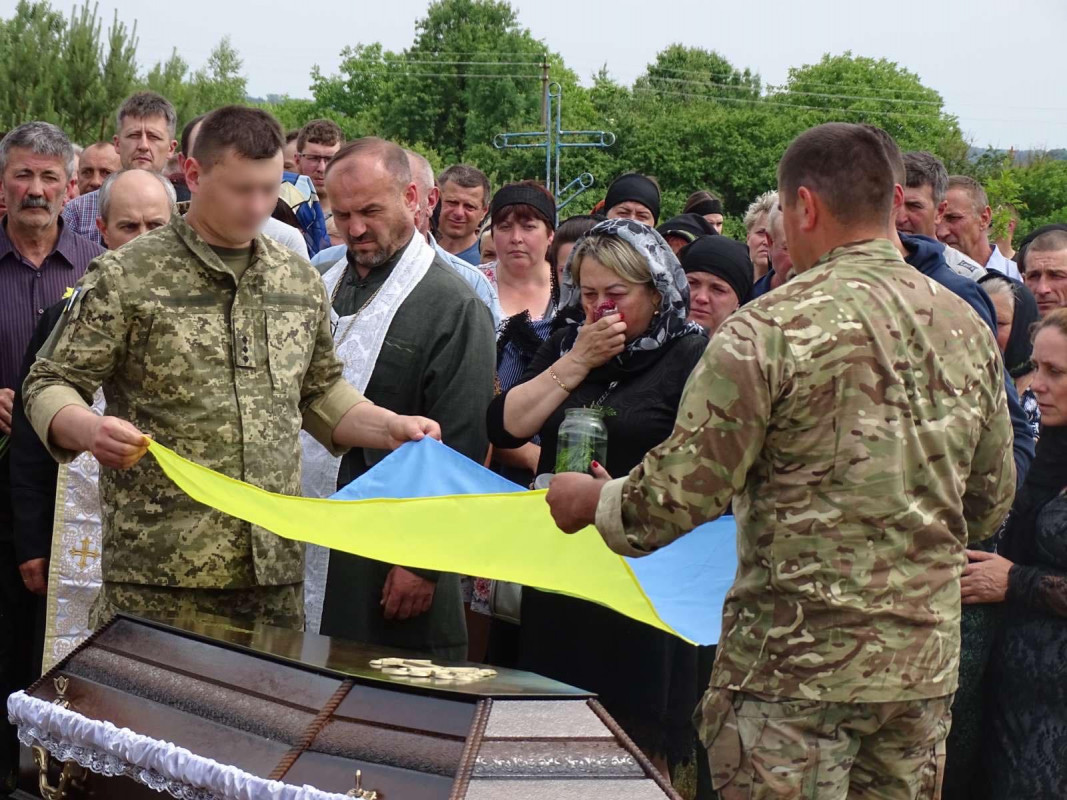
<point>583,439</point>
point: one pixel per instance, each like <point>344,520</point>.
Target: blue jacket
<point>927,256</point>
<point>299,192</point>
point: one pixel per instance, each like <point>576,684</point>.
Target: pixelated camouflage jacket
<point>856,418</point>
<point>223,373</point>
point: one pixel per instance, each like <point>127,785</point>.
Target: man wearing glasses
<point>315,146</point>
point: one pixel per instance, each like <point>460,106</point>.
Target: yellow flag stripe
<point>508,537</point>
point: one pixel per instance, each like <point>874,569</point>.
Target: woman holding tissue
<point>623,346</point>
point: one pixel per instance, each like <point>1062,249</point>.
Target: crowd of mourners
<point>875,390</point>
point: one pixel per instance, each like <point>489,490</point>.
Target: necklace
<point>352,319</point>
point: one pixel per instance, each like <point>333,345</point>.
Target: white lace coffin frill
<point>106,750</point>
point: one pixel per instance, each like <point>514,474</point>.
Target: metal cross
<point>85,552</point>
<point>553,139</point>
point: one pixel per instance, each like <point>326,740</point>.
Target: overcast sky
<point>1000,66</point>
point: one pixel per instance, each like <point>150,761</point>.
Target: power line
<point>921,92</point>
<point>812,94</point>
<point>828,109</point>
<point>391,73</point>
<point>762,102</point>
<point>403,62</point>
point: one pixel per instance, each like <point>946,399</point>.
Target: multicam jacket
<point>857,420</point>
<point>225,372</point>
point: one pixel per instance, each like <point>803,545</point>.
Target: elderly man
<point>133,202</point>
<point>840,647</point>
<point>218,341</point>
<point>420,341</point>
<point>144,138</point>
<point>95,164</point>
<point>40,257</point>
<point>965,225</point>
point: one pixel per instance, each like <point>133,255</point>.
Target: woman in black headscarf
<point>1026,737</point>
<point>719,272</point>
<point>1016,314</point>
<point>625,345</point>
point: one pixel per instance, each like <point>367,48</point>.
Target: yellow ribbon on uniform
<point>508,537</point>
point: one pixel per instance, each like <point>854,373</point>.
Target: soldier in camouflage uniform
<point>215,341</point>
<point>856,419</point>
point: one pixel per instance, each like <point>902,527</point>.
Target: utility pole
<point>544,88</point>
<point>554,139</point>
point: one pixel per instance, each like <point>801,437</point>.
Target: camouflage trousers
<point>764,747</point>
<point>280,606</point>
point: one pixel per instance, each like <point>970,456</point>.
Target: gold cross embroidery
<point>84,552</point>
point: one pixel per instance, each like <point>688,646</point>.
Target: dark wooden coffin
<point>311,711</point>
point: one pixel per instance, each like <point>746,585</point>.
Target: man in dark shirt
<point>437,356</point>
<point>39,259</point>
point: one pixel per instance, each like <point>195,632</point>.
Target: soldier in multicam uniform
<point>856,419</point>
<point>215,341</point>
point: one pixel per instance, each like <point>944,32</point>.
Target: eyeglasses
<point>315,159</point>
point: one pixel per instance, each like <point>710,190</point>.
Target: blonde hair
<point>613,253</point>
<point>760,206</point>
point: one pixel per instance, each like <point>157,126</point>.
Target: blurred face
<point>634,211</point>
<point>313,160</point>
<point>758,246</point>
<point>145,143</point>
<point>462,210</point>
<point>963,226</point>
<point>138,204</point>
<point>1050,378</point>
<point>233,197</point>
<point>289,156</point>
<point>35,189</point>
<point>488,248</point>
<point>95,164</point>
<point>428,197</point>
<point>715,220</point>
<point>375,216</point>
<point>562,255</point>
<point>521,245</point>
<point>779,248</point>
<point>1005,308</point>
<point>636,302</point>
<point>920,214</point>
<point>711,300</point>
<point>1046,277</point>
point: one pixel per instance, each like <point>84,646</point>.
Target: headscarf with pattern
<point>668,278</point>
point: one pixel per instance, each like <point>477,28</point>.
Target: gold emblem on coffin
<point>359,791</point>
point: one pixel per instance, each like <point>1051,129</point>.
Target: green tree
<point>28,81</point>
<point>80,93</point>
<point>1043,192</point>
<point>220,82</point>
<point>55,69</point>
<point>880,92</point>
<point>119,70</point>
<point>690,72</point>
